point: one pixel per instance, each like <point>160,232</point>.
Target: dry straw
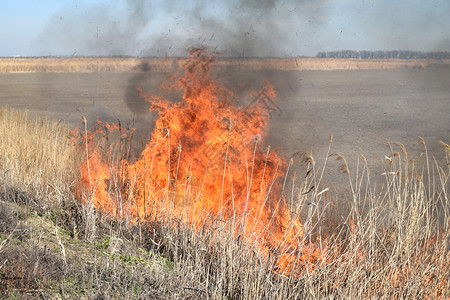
<point>36,155</point>
<point>393,242</point>
<point>128,64</point>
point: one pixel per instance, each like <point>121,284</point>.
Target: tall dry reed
<point>392,244</point>
<point>36,156</point>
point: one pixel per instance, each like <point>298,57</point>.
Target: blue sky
<point>236,27</point>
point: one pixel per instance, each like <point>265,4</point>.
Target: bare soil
<point>359,107</point>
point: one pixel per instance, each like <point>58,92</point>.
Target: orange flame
<point>204,162</point>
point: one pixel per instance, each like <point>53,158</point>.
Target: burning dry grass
<point>391,244</point>
<point>114,64</point>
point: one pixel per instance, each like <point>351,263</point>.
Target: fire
<point>204,161</point>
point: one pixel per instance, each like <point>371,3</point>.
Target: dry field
<point>103,64</point>
<point>370,222</point>
<point>360,107</point>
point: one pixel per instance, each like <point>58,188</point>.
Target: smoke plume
<point>167,28</point>
<point>244,28</point>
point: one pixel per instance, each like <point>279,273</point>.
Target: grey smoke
<point>242,28</point>
<point>96,29</point>
<point>239,28</point>
<point>144,28</point>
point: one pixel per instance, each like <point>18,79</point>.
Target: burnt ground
<point>359,107</point>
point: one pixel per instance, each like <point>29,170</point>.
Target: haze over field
<point>238,28</point>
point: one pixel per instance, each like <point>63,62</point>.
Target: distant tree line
<point>402,54</point>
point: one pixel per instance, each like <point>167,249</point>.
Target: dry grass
<point>392,243</point>
<point>36,155</point>
<point>105,64</point>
